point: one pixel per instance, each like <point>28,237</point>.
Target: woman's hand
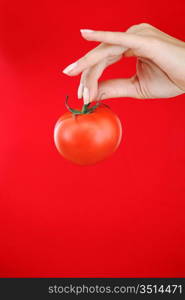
<point>160,64</point>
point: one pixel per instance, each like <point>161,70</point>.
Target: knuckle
<point>146,25</point>
<point>132,28</point>
<point>138,27</point>
<point>114,51</point>
<point>87,78</point>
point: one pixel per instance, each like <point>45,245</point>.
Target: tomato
<point>88,138</point>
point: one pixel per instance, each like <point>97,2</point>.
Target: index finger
<point>125,39</point>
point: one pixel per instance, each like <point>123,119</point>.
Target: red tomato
<point>88,138</point>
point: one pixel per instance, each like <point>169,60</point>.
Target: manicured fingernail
<point>86,95</point>
<point>69,68</point>
<point>86,30</point>
<point>80,91</point>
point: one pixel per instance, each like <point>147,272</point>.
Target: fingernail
<point>86,30</point>
<point>86,95</point>
<point>69,68</point>
<point>80,91</point>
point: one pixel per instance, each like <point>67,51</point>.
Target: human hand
<point>160,70</point>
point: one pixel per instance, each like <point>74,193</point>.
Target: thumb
<point>116,88</point>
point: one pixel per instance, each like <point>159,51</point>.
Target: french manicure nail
<point>80,91</point>
<point>86,30</point>
<point>86,95</point>
<point>69,68</point>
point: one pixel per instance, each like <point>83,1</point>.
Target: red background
<point>123,217</point>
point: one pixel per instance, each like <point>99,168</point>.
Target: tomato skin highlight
<point>88,138</point>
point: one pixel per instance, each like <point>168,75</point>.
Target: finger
<point>93,57</point>
<point>88,84</point>
<point>80,91</point>
<point>116,88</point>
<point>125,39</point>
<point>88,80</point>
<point>90,77</point>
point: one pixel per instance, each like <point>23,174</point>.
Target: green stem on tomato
<point>85,109</point>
